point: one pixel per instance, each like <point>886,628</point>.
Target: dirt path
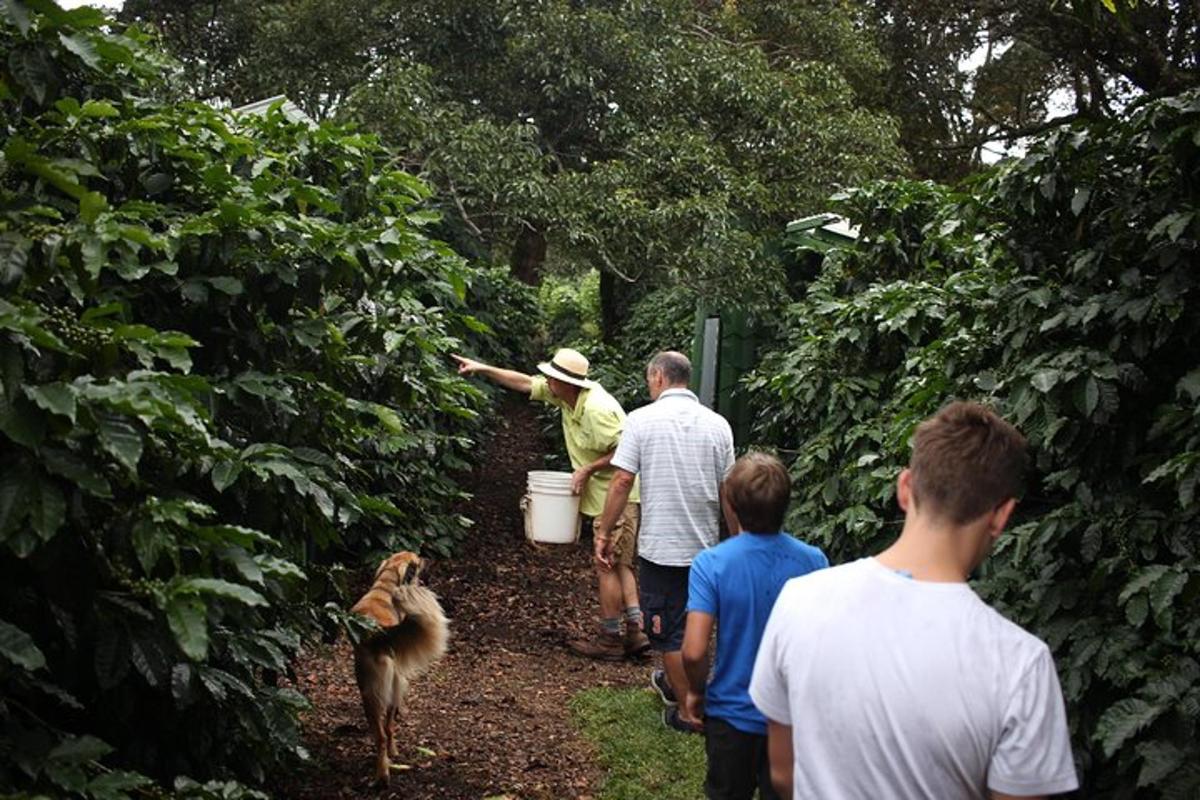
<point>492,719</point>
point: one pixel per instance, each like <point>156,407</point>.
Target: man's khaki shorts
<point>625,534</point>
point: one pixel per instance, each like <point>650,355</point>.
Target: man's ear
<point>904,489</point>
<point>731,519</point>
<point>1000,516</point>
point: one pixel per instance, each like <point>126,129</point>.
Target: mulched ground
<point>491,720</point>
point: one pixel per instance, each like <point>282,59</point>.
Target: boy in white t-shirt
<point>889,677</point>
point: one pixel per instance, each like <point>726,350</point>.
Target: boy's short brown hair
<point>759,489</point>
<point>966,461</point>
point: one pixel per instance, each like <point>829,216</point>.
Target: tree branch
<point>1009,133</point>
<point>463,212</point>
<point>612,268</point>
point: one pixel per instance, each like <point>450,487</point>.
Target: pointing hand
<point>467,366</point>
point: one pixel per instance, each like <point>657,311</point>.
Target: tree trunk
<point>608,309</point>
<point>528,255</point>
<point>615,298</point>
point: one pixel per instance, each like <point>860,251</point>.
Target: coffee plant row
<point>1062,289</point>
<point>223,371</point>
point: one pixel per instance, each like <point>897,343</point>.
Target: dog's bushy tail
<point>423,633</point>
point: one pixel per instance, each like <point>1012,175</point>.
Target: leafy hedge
<point>223,353</point>
<point>1062,289</point>
<point>570,306</point>
<point>661,319</point>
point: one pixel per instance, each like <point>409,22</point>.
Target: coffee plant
<point>1062,290</point>
<point>660,319</point>
<point>223,363</point>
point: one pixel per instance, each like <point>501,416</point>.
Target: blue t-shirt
<point>737,583</point>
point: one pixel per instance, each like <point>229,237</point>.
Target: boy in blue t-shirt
<point>734,586</point>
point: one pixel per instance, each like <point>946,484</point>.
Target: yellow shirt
<point>591,429</point>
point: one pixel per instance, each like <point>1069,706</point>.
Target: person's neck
<point>572,398</point>
<point>929,550</point>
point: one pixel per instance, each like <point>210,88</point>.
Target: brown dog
<point>414,636</point>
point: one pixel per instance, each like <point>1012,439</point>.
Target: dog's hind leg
<point>377,723</point>
<point>381,733</point>
<point>393,718</point>
<point>399,690</point>
<point>375,676</point>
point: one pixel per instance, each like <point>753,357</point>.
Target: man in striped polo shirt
<point>682,452</point>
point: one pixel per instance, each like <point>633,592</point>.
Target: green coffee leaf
<point>1122,720</point>
<point>244,564</point>
<point>150,541</point>
<point>33,71</point>
<point>121,439</point>
<point>1087,395</point>
<point>80,749</point>
<point>221,588</point>
<point>1163,594</point>
<point>21,421</point>
<point>72,467</point>
<point>99,108</point>
<point>81,46</point>
<point>225,474</point>
<point>14,255</point>
<point>18,14</point>
<point>18,647</point>
<point>57,398</point>
<point>1143,580</point>
<point>47,509</point>
<point>187,617</point>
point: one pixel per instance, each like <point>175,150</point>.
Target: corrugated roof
<point>831,223</point>
<point>290,110</point>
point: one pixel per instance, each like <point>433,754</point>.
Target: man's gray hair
<point>675,367</point>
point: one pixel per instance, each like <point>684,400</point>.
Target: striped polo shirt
<point>681,451</point>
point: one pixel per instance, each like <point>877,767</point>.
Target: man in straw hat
<point>592,422</point>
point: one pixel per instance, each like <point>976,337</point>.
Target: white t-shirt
<point>900,688</point>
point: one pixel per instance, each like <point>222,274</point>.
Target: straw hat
<point>569,366</point>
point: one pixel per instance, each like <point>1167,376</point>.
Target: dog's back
<point>414,635</point>
<point>417,641</point>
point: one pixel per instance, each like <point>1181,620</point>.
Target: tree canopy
<point>968,72</point>
<point>647,139</point>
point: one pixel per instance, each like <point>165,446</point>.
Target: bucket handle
<point>525,503</point>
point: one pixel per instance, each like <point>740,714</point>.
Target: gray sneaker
<point>672,720</point>
<point>660,684</point>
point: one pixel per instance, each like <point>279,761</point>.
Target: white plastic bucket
<point>548,479</point>
<point>551,511</point>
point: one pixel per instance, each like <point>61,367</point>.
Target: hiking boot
<point>637,644</point>
<point>671,719</point>
<point>659,683</point>
<point>603,647</point>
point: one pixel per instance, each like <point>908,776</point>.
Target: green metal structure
<point>724,342</point>
<point>723,350</point>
